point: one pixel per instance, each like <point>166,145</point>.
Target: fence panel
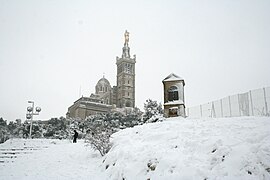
<point>217,109</point>
<point>235,111</point>
<point>252,103</point>
<point>206,110</point>
<point>226,107</point>
<point>245,104</point>
<point>258,102</point>
<point>267,97</point>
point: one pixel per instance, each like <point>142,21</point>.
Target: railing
<point>253,103</point>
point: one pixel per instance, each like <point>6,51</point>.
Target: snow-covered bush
<point>156,118</point>
<point>99,128</point>
<point>153,111</point>
<point>3,130</point>
<point>99,140</point>
<point>55,128</point>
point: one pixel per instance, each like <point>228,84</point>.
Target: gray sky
<point>48,49</point>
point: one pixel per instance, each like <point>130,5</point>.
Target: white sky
<point>48,49</point>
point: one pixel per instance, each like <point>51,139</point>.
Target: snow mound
<point>178,148</point>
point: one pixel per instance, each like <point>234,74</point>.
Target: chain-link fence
<point>252,103</point>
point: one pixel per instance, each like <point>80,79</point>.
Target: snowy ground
<point>59,160</point>
<point>224,148</point>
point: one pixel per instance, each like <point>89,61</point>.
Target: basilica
<point>107,97</point>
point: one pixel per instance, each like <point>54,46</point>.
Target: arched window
<point>173,93</point>
<point>128,104</point>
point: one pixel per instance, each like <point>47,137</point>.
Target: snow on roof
<point>173,107</point>
<point>173,77</point>
<point>96,103</point>
<point>174,102</point>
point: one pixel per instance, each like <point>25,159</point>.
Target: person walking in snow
<point>75,136</point>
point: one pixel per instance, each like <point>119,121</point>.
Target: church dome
<point>103,86</point>
<point>103,81</point>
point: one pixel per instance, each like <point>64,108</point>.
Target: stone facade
<point>107,97</point>
<point>125,78</point>
<point>86,106</point>
<point>174,102</point>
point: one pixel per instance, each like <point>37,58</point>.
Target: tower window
<point>128,104</point>
<point>173,93</point>
<point>129,69</point>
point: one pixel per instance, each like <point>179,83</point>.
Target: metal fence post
<point>251,103</point>
<point>213,111</point>
<point>265,102</point>
<point>221,107</point>
<point>239,105</point>
<point>201,109</point>
<point>230,106</point>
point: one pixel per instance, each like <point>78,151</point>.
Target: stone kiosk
<point>174,103</point>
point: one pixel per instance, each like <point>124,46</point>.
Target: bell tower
<point>125,77</point>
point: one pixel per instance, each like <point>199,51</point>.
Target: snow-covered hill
<point>226,148</point>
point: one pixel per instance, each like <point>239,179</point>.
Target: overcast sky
<point>51,48</point>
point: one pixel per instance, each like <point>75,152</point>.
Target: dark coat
<point>75,134</point>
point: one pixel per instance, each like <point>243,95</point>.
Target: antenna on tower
<point>80,91</point>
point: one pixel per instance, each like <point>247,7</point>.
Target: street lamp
<point>30,113</point>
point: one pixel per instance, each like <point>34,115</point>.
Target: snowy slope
<point>59,160</point>
<point>228,148</point>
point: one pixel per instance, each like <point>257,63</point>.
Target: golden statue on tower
<point>126,37</point>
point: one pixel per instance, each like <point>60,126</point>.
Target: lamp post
<point>30,113</point>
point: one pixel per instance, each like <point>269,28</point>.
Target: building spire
<point>126,53</point>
